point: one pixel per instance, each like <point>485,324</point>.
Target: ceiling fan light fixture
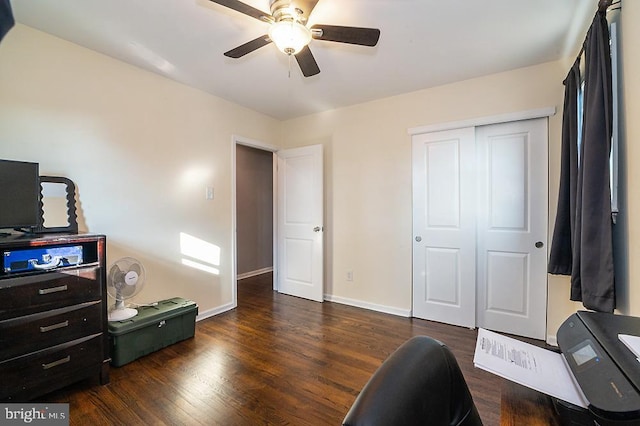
<point>290,36</point>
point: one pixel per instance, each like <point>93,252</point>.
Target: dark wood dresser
<point>53,313</point>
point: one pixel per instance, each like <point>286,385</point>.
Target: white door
<point>300,222</point>
<point>444,243</point>
<point>480,215</point>
<point>512,227</point>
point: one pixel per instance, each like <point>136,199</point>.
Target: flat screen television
<point>19,195</point>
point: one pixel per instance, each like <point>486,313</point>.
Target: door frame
<point>252,143</point>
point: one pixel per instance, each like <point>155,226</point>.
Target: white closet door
<point>512,227</point>
<point>480,227</point>
<point>444,227</point>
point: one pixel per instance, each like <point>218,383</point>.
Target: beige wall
<point>141,150</point>
<point>630,132</point>
<point>368,173</point>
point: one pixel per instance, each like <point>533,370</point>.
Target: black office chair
<point>419,384</point>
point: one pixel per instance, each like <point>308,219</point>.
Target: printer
<point>605,369</point>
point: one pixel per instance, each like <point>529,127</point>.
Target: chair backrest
<point>418,384</point>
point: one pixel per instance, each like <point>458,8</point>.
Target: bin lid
<point>148,315</point>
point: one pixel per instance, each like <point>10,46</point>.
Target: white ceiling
<point>423,43</point>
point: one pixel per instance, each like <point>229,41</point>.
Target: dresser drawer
<point>31,294</point>
<point>51,368</point>
<point>30,333</point>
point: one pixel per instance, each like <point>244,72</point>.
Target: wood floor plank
<point>275,360</point>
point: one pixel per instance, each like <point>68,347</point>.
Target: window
<point>613,157</point>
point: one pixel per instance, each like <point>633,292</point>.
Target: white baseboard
<point>552,340</point>
<point>215,311</point>
<point>254,273</point>
<point>342,300</point>
<point>371,306</point>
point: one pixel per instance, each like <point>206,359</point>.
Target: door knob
<point>317,229</point>
<point>539,244</point>
<point>418,238</point>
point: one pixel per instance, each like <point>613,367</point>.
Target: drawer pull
<point>54,326</point>
<point>52,289</point>
<point>56,363</point>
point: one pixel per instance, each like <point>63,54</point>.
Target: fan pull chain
<point>290,65</point>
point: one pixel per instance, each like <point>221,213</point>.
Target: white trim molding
<point>241,140</point>
<point>215,311</point>
<point>370,306</point>
<point>255,273</point>
<point>483,121</point>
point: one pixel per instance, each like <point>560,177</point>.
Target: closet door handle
<point>539,244</point>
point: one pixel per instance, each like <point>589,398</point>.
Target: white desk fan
<point>125,280</point>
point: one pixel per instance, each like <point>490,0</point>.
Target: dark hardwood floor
<point>276,359</point>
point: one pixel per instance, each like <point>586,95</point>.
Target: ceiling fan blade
<point>248,47</point>
<point>245,8</point>
<point>307,62</point>
<point>306,6</point>
<point>351,35</point>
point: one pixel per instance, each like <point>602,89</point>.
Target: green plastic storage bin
<point>154,328</point>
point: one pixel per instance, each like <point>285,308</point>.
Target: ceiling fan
<point>288,30</point>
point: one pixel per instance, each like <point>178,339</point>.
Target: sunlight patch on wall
<point>199,254</point>
<point>195,175</point>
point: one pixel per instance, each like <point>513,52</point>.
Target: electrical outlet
<point>349,275</point>
<point>209,193</point>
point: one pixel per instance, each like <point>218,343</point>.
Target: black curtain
<point>6,18</point>
<point>560,258</point>
<point>590,224</point>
